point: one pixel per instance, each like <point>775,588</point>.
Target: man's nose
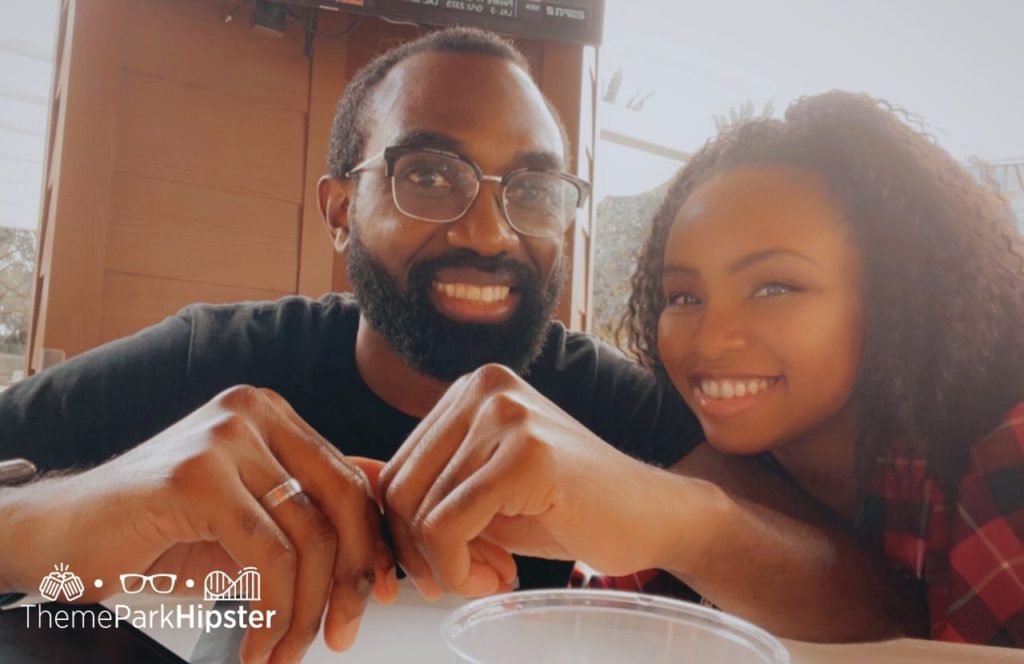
<point>484,228</point>
<point>720,331</point>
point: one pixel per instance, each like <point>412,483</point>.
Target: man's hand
<point>188,502</point>
<point>496,467</point>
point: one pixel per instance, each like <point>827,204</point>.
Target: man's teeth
<point>727,389</point>
<point>472,292</point>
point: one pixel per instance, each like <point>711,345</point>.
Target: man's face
<point>451,297</point>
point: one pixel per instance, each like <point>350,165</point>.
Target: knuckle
<point>323,534</point>
<point>268,394</point>
<point>431,532</point>
<point>282,554</point>
<point>239,396</point>
<point>193,470</point>
<point>493,376</point>
<point>507,408</point>
<point>395,500</point>
<point>230,427</point>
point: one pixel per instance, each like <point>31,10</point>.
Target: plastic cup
<point>602,627</point>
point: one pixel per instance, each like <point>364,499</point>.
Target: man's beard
<point>435,345</point>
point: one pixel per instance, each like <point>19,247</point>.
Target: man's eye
<point>427,178</point>
<point>774,290</point>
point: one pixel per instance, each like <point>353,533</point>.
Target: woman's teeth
<point>727,389</point>
<point>472,292</point>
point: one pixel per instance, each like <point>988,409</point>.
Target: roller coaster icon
<point>246,586</point>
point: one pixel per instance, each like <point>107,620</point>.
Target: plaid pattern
<point>968,559</point>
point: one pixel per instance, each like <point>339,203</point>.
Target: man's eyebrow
<point>429,139</point>
<point>742,264</point>
<point>549,161</point>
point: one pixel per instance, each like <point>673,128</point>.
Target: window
<point>26,53</point>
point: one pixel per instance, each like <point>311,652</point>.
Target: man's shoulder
<point>291,309</point>
<point>569,350</point>
<point>292,331</point>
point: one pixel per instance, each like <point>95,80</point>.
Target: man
<point>446,190</point>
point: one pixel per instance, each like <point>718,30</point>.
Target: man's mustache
<point>425,269</point>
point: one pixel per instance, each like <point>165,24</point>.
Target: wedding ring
<point>280,493</point>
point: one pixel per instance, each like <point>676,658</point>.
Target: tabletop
<point>409,631</point>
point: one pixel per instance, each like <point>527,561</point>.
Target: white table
<point>408,632</point>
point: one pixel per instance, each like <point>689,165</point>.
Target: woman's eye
<point>684,299</point>
<point>774,290</point>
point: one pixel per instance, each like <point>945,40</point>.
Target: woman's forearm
<point>800,577</point>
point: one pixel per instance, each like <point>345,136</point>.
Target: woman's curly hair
<point>943,352</point>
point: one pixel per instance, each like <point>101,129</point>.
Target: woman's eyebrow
<point>758,256</point>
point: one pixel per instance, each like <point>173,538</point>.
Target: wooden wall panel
<point>188,41</point>
<point>78,205</point>
<point>187,134</point>
<point>131,303</point>
<point>180,231</point>
<point>327,80</point>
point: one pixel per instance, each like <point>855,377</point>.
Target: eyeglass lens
<point>440,188</point>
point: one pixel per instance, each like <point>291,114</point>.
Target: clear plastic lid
<point>602,627</point>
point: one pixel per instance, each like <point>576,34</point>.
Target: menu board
<point>561,20</point>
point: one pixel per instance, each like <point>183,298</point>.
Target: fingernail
<point>365,581</point>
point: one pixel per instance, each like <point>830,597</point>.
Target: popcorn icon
<point>61,580</point>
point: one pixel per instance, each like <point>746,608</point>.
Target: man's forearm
<point>13,542</point>
<point>809,582</point>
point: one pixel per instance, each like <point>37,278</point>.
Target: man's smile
<point>470,295</point>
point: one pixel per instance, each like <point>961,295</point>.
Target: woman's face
<point>763,325</point>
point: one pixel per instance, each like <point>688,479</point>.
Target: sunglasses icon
<point>159,583</point>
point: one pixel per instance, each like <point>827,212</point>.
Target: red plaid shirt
<point>969,560</point>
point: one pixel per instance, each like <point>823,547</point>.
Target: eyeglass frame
<point>149,579</point>
<point>392,153</point>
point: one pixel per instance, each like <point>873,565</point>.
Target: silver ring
<point>280,493</point>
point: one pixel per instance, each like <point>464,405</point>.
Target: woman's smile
<point>732,395</point>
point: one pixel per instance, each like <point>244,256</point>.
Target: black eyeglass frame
<point>393,153</point>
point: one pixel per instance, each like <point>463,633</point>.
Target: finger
<point>314,540</point>
<point>385,588</point>
<point>424,454</point>
<point>343,494</point>
<point>450,398</point>
<point>477,448</point>
<point>253,538</point>
<point>496,489</point>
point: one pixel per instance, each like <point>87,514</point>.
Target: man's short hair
<point>348,131</point>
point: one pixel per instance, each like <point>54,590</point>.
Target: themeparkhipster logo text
<point>64,585</point>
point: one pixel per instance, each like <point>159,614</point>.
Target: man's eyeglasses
<point>433,185</point>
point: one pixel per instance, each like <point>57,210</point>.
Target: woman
<point>835,294</point>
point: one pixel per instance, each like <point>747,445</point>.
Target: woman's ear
<point>333,197</point>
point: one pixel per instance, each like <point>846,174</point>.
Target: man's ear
<point>333,196</point>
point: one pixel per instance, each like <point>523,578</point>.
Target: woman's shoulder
<point>983,595</point>
<point>1003,446</point>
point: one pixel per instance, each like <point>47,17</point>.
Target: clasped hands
<point>494,468</point>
